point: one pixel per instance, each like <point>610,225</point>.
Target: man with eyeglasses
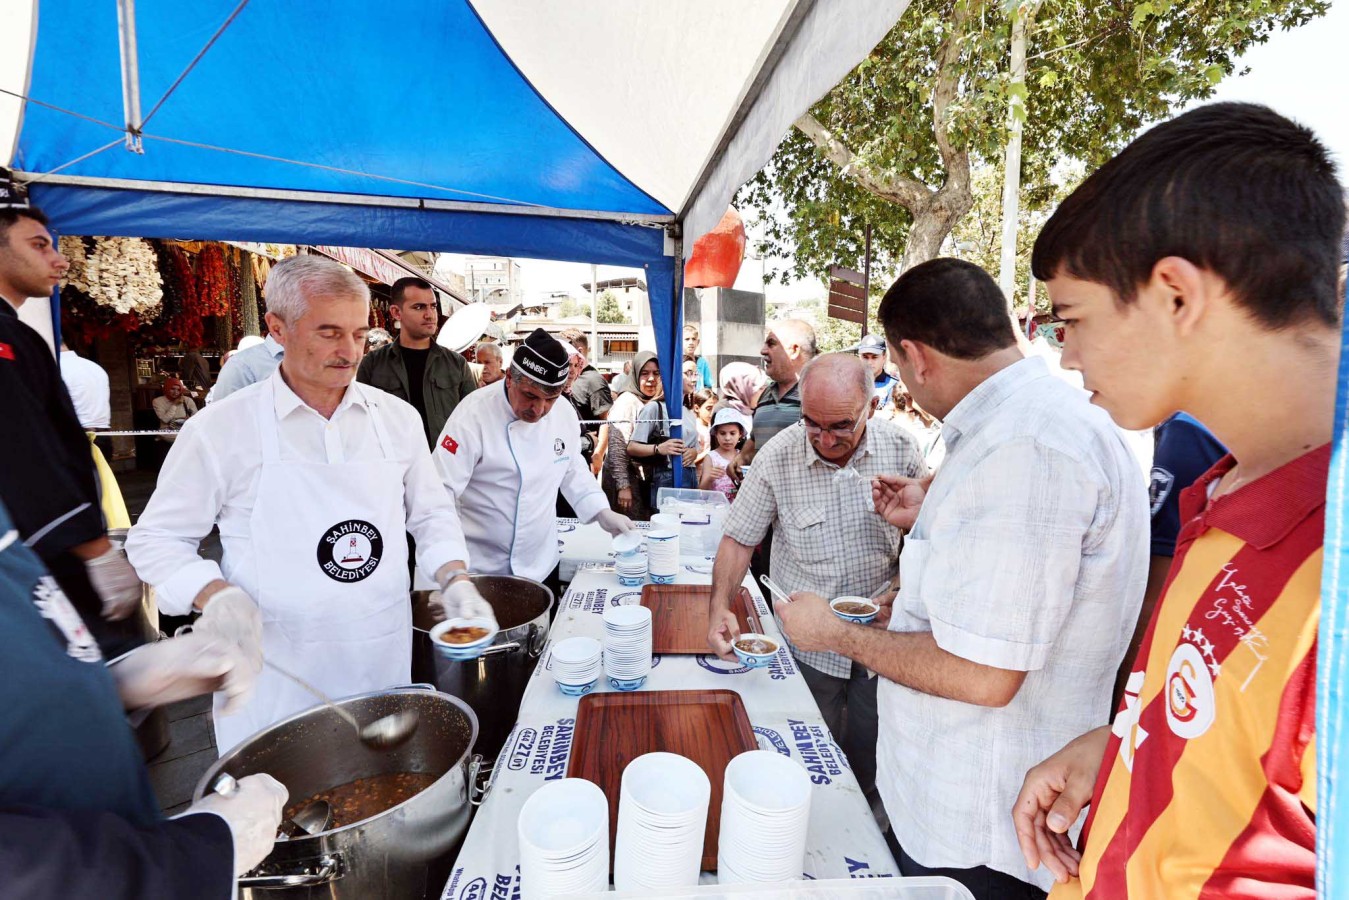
<point>812,485</point>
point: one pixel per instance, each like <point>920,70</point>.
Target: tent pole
<point>677,330</point>
<point>131,75</point>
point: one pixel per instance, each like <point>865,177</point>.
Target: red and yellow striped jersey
<point>1208,785</point>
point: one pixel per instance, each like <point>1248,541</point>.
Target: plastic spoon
<point>875,595</point>
<point>776,591</point>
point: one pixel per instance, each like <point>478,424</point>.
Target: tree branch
<point>956,161</point>
<point>907,192</point>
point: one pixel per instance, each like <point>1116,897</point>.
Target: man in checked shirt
<point>812,484</point>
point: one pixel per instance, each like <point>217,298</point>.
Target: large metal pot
<point>493,684</point>
<point>385,857</point>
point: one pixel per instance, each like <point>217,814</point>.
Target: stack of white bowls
<point>564,840</point>
<point>629,561</point>
<point>668,521</point>
<point>627,646</point>
<point>765,810</point>
<point>662,555</point>
<point>575,664</point>
<point>662,815</point>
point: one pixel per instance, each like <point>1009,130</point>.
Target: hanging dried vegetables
<point>81,316</point>
<point>213,282</point>
<point>121,274</point>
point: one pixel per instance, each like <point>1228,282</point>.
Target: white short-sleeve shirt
<point>1030,554</point>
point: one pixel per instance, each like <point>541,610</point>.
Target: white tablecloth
<point>843,840</point>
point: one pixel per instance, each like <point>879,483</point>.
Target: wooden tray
<point>612,729</point>
<point>680,613</point>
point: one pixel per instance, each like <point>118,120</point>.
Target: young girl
<point>702,403</point>
<point>729,430</point>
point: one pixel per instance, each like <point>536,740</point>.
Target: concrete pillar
<point>731,324</point>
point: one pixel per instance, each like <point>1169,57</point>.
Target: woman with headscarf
<point>650,443</point>
<point>621,479</point>
<point>741,384</point>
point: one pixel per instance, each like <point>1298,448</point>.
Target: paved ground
<point>175,770</point>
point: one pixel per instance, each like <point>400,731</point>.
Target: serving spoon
<point>384,733</point>
<point>315,817</point>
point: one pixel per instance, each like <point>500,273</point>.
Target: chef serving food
<point>505,453</point>
<point>313,480</point>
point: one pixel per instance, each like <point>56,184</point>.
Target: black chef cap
<point>542,358</point>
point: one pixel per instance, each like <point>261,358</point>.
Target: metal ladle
<point>384,733</point>
<point>315,818</point>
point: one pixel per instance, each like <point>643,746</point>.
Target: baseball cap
<point>872,345</point>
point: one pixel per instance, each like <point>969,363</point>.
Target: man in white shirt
<point>505,453</point>
<point>88,386</point>
<point>1020,582</point>
<point>313,480</point>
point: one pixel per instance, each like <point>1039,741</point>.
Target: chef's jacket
<point>505,474</point>
<point>211,475</point>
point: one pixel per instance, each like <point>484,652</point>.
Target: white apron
<point>332,579</point>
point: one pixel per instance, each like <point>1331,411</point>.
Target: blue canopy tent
<point>601,131</point>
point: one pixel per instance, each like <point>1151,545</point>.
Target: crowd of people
<point>1078,683</point>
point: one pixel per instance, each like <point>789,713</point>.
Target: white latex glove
<point>115,582</point>
<point>253,813</point>
<point>232,614</point>
<point>181,667</point>
<point>614,523</point>
<point>461,600</point>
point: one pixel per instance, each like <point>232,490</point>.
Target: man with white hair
<point>487,368</point>
<point>312,479</point>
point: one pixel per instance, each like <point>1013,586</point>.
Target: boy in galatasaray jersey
<point>1197,270</point>
<point>1208,785</point>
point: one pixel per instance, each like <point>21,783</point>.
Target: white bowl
<point>862,617</point>
<point>462,652</point>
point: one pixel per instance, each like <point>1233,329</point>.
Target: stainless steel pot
<point>385,857</point>
<point>493,684</point>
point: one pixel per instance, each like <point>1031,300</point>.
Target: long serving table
<point>843,840</point>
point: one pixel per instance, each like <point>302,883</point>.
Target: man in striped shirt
<point>1197,271</point>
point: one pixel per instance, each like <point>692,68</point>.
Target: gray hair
<point>797,331</point>
<point>515,376</point>
<point>844,369</point>
<point>490,347</point>
<point>293,282</point>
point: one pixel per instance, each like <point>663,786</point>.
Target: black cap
<point>542,358</point>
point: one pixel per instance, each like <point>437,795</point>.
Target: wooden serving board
<point>612,729</point>
<point>680,614</point>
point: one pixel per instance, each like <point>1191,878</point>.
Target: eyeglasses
<point>840,432</point>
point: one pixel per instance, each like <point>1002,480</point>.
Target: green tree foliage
<point>895,143</point>
<point>609,310</point>
<point>978,236</point>
<point>571,307</point>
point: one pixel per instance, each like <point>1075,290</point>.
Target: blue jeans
<point>662,477</point>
